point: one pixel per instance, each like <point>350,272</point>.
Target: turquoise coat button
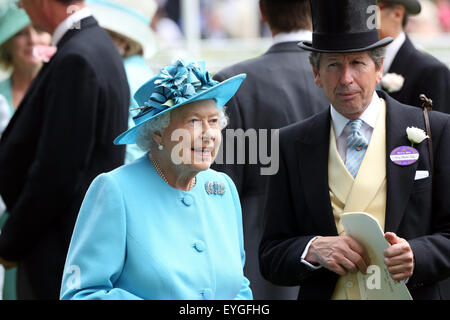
<point>188,200</point>
<point>207,294</point>
<point>199,246</point>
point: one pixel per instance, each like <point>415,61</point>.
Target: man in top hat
<point>58,141</point>
<point>420,72</point>
<point>279,90</point>
<point>339,161</point>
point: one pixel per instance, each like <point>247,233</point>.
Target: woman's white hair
<point>144,139</point>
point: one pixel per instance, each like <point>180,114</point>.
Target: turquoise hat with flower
<point>174,86</point>
<point>12,19</point>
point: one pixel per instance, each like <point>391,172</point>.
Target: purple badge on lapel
<point>404,155</point>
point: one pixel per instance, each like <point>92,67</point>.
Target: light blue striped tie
<point>356,147</point>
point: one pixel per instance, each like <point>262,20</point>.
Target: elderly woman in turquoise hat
<point>135,42</point>
<point>165,226</point>
<point>18,41</point>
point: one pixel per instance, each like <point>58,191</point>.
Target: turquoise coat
<point>6,91</point>
<point>136,237</point>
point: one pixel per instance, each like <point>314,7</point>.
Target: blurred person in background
<point>237,18</point>
<point>4,114</point>
<point>426,22</point>
<point>57,142</point>
<point>172,9</point>
<point>4,118</point>
<point>443,7</point>
<point>18,40</point>
<point>167,31</point>
<point>279,90</point>
<point>407,71</point>
<point>135,42</point>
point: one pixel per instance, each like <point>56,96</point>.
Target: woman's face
<point>22,45</point>
<point>193,136</point>
<point>120,43</point>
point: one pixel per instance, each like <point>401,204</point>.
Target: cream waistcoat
<point>367,192</point>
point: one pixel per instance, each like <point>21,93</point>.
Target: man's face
<point>34,9</point>
<point>348,80</point>
<point>391,18</point>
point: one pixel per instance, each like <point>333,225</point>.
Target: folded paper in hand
<point>377,283</point>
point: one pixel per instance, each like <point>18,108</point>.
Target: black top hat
<point>341,26</point>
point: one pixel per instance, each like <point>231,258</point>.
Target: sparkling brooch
<point>212,187</point>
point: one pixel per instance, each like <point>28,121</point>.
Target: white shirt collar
<point>369,116</point>
<point>392,50</point>
<point>300,35</point>
<point>69,23</point>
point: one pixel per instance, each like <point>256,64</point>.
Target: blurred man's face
<point>35,12</point>
<point>348,81</point>
<point>391,18</point>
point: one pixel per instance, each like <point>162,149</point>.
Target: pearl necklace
<point>155,164</point>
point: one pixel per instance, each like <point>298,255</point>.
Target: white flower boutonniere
<point>415,135</point>
<point>392,82</point>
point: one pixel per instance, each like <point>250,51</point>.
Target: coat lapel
<point>312,152</point>
<point>26,100</point>
<point>400,179</point>
<point>401,64</point>
<point>85,23</point>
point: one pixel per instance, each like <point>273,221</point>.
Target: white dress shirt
<point>342,131</point>
<point>392,50</point>
<point>70,22</point>
<point>300,35</point>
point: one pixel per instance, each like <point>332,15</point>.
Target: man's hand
<point>399,257</point>
<point>8,264</point>
<point>339,254</point>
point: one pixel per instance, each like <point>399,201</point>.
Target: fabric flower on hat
<point>177,83</point>
<point>172,77</point>
<point>202,75</point>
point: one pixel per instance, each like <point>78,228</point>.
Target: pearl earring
<point>160,147</point>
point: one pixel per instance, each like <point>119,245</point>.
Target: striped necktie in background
<point>356,147</point>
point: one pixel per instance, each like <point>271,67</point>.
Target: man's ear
<point>263,14</point>
<point>399,12</point>
<point>379,72</point>
<point>317,80</point>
